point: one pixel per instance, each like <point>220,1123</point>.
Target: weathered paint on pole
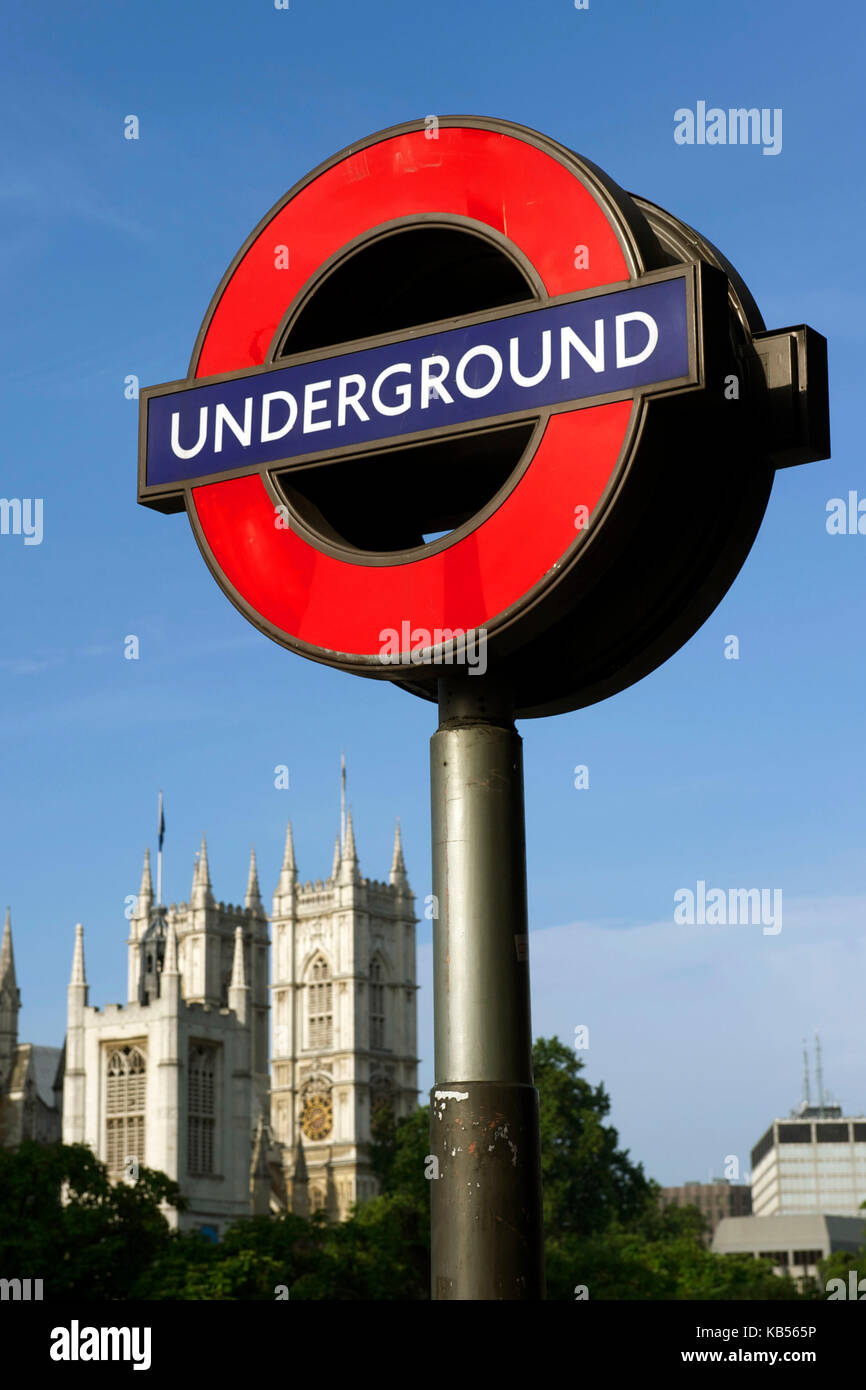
<point>486,1200</point>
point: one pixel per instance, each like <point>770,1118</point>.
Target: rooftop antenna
<point>807,1092</point>
<point>819,1074</point>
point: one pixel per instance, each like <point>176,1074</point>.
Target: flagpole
<point>161,824</point>
<point>342,802</point>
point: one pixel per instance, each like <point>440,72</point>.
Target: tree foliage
<point>606,1235</point>
<point>63,1221</point>
<point>588,1180</point>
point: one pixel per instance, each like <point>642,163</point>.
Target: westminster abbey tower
<point>344,1021</point>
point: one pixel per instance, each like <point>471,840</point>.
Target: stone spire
<point>203,869</point>
<point>289,871</point>
<point>350,851</point>
<point>260,1173</point>
<point>145,892</point>
<point>78,976</point>
<point>239,993</point>
<point>239,979</point>
<point>254,897</point>
<point>74,1078</point>
<point>335,867</point>
<point>398,863</point>
<point>10,1003</point>
<point>169,966</point>
<point>349,872</point>
<point>7,960</point>
<point>202,895</point>
<point>300,1182</point>
<point>169,980</point>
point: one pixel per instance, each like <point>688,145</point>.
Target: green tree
<point>605,1231</point>
<point>382,1252</point>
<point>63,1221</point>
<point>588,1180</point>
<point>250,1262</point>
<point>398,1152</point>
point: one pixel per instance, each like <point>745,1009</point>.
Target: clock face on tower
<point>317,1116</point>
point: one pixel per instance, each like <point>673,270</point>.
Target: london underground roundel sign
<point>460,397</point>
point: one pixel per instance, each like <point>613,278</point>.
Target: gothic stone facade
<point>344,1023</point>
<point>177,1078</point>
<point>31,1077</point>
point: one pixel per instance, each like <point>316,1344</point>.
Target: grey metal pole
<point>486,1202</point>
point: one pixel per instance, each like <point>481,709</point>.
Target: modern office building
<point>813,1161</point>
<point>715,1200</point>
<point>794,1244</point>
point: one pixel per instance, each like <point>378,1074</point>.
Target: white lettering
<point>403,393</point>
<point>514,366</point>
<point>223,417</point>
<point>269,435</point>
<point>432,385</point>
<point>176,447</point>
<point>310,404</point>
<point>460,375</point>
<point>344,399</point>
<point>638,316</point>
<point>569,339</point>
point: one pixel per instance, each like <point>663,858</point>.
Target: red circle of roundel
<point>332,604</point>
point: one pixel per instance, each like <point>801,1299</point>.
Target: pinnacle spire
<point>239,979</point>
<point>289,865</point>
<point>335,867</point>
<point>254,897</point>
<point>300,1200</point>
<point>349,852</point>
<point>169,966</point>
<point>239,994</point>
<point>349,872</point>
<point>78,976</point>
<point>289,872</point>
<point>201,894</point>
<point>146,889</point>
<point>7,958</point>
<point>398,863</point>
<point>300,1173</point>
<point>204,871</point>
<point>259,1165</point>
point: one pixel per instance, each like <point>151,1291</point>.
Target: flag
<point>161,823</point>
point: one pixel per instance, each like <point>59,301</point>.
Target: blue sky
<point>746,773</point>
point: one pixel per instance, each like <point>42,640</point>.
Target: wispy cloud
<point>58,194</point>
<point>697,1032</point>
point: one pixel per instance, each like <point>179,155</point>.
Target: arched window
<point>377,1004</point>
<point>125,1099</point>
<point>320,1016</point>
<point>201,1117</point>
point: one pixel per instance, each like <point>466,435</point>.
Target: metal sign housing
<point>467,387</point>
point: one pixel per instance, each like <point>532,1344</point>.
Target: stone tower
<point>177,1077</point>
<point>206,932</point>
<point>31,1077</point>
<point>344,1022</point>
